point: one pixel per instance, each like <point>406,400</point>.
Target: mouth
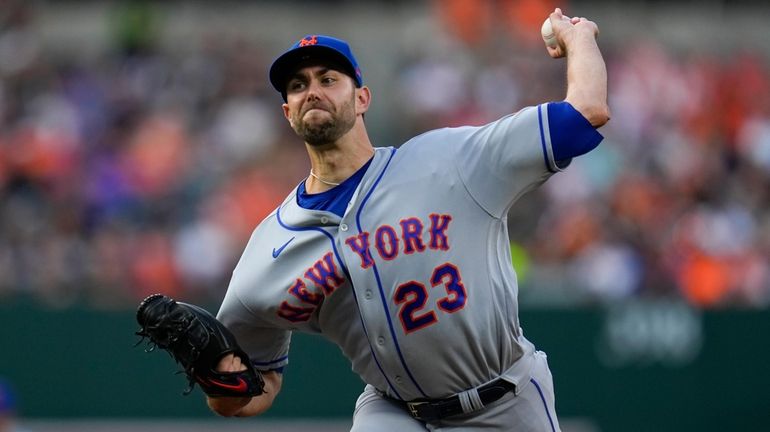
<point>317,107</point>
<point>316,114</point>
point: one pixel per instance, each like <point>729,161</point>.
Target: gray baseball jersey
<point>414,282</point>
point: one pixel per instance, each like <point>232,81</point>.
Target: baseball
<point>547,32</point>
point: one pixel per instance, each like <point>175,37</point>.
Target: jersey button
<point>398,379</point>
<point>380,340</point>
<point>343,227</point>
<point>324,219</point>
<point>368,294</point>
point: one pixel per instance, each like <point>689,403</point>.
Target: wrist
<point>577,38</point>
<point>227,406</point>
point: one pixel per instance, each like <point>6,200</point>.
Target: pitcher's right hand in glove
<point>197,341</point>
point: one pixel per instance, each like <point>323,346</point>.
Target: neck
<point>333,163</point>
<point>322,180</point>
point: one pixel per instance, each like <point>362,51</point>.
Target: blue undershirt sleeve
<point>571,134</point>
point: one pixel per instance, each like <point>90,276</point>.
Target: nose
<point>313,90</point>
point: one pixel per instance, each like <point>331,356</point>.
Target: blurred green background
<point>640,366</point>
<point>140,143</point>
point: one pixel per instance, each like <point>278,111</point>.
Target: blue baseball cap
<point>313,47</point>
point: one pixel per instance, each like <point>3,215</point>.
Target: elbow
<point>592,109</point>
<point>601,118</point>
<point>598,115</point>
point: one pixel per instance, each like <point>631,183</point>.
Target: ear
<point>287,113</point>
<point>363,99</point>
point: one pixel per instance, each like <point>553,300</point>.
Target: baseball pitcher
<point>398,255</point>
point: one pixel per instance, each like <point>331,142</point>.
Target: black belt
<point>432,410</point>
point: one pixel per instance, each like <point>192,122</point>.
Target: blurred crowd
<point>676,201</point>
<point>137,172</point>
<point>145,170</point>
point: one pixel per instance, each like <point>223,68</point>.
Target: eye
<point>328,80</point>
<point>296,85</point>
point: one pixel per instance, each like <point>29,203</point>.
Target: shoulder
<point>448,135</point>
<point>437,139</point>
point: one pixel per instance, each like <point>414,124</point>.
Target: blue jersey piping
<point>278,360</point>
<point>542,138</point>
<point>379,282</point>
<point>347,274</point>
<point>545,405</point>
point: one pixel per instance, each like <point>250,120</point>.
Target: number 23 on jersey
<point>412,298</point>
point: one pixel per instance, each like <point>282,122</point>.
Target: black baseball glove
<point>197,341</point>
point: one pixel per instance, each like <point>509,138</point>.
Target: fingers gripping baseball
<point>559,30</point>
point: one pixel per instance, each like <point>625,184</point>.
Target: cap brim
<point>286,64</point>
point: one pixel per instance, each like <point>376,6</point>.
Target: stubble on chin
<point>328,130</point>
<point>318,134</point>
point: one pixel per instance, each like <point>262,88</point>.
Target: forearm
<point>247,407</point>
<point>587,78</point>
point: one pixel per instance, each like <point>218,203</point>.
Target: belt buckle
<point>412,406</point>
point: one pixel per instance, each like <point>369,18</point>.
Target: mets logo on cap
<point>308,40</point>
